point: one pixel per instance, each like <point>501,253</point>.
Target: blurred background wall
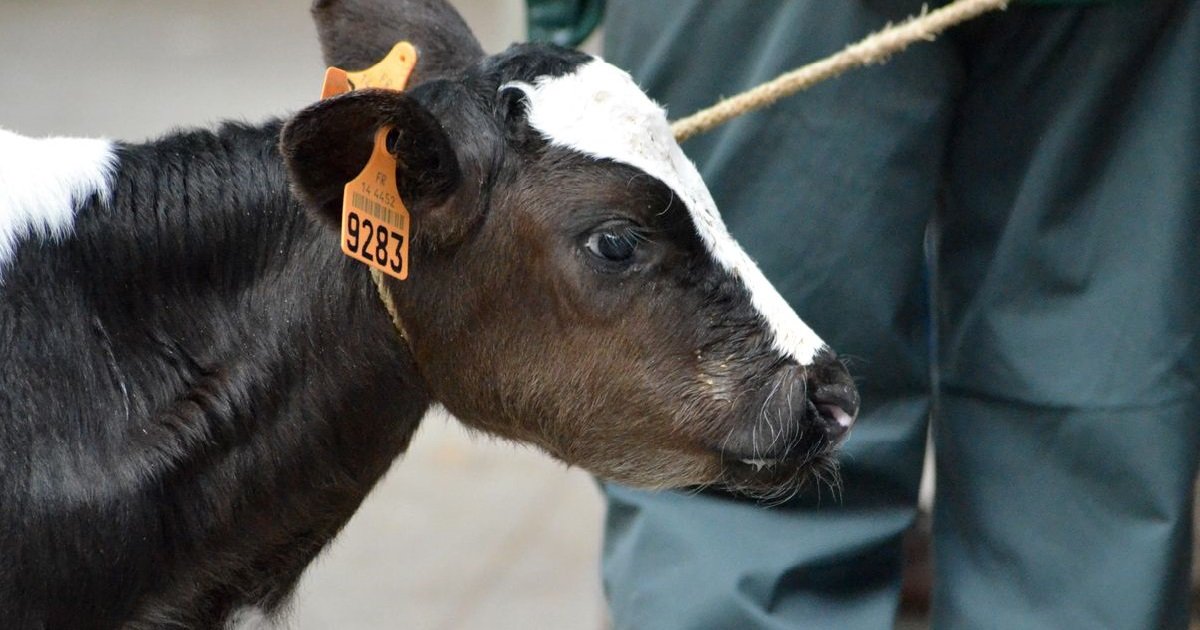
<point>463,533</point>
<point>132,69</point>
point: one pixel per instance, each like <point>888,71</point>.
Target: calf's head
<point>572,284</point>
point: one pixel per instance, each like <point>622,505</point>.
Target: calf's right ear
<point>327,144</point>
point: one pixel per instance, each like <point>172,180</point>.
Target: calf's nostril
<point>838,406</point>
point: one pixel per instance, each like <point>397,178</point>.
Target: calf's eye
<point>614,245</point>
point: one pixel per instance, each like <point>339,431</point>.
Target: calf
<point>198,389</point>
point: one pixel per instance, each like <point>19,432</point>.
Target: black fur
<point>229,389</point>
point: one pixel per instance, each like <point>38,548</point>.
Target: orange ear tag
<point>375,224</point>
<point>336,82</point>
<point>391,73</point>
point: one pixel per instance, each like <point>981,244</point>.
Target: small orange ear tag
<point>375,225</point>
<point>391,73</point>
<point>336,82</point>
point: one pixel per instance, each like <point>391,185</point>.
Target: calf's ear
<point>355,34</point>
<point>327,144</point>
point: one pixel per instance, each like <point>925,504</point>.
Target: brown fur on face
<point>638,376</point>
<point>662,375</point>
<point>655,371</point>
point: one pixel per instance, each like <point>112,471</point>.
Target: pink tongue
<point>837,413</point>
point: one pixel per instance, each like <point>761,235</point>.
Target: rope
<point>875,48</point>
<point>386,297</point>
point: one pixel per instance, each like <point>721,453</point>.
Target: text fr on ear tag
<point>375,223</point>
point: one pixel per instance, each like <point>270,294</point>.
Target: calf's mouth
<point>789,431</point>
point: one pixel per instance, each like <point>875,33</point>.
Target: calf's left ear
<point>355,34</point>
<point>327,144</point>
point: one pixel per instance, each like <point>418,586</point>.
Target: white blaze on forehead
<point>42,182</point>
<point>598,110</point>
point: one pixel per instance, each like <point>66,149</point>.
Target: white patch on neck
<point>253,618</point>
<point>598,110</point>
<point>43,182</point>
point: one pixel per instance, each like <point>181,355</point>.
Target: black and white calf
<point>198,389</point>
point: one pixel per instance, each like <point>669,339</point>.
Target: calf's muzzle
<point>799,414</point>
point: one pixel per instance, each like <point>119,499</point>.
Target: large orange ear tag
<point>375,223</point>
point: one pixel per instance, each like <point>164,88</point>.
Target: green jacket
<point>569,22</point>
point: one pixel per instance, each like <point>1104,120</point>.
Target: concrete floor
<point>463,534</point>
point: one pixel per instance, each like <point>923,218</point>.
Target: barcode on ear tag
<point>375,223</point>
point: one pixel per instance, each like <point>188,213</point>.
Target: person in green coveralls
<point>1003,228</point>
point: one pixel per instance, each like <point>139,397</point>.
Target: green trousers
<point>1001,229</point>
